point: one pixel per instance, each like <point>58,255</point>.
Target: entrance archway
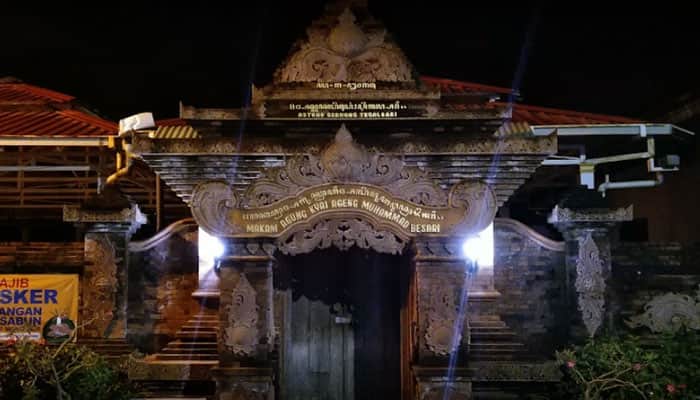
<point>341,324</point>
<point>348,199</point>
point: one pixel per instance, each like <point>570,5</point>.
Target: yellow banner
<point>38,307</point>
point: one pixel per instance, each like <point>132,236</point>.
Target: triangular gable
<point>345,46</point>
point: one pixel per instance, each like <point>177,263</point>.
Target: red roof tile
<point>449,86</point>
<point>535,115</point>
<point>69,123</point>
<point>22,93</point>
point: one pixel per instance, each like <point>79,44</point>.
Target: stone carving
<point>590,283</point>
<point>669,313</point>
<point>130,215</point>
<point>345,52</point>
<point>99,285</point>
<point>562,215</point>
<point>442,315</point>
<point>241,334</point>
<point>343,234</point>
<point>344,161</point>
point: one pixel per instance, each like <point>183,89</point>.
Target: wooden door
<point>319,355</point>
<point>341,331</point>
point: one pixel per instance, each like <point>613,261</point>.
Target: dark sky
<point>131,57</point>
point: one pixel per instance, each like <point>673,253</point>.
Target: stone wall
<point>642,271</point>
<point>529,274</point>
<point>161,282</point>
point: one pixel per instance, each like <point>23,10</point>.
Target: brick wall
<point>529,274</point>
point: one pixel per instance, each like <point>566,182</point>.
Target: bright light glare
<point>210,247</point>
<point>479,247</point>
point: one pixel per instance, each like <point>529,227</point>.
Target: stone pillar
<point>442,332</point>
<point>108,226</point>
<point>588,233</point>
<point>247,333</point>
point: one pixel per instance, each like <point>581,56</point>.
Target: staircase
<point>493,340</point>
<point>181,370</point>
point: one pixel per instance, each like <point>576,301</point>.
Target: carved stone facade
<point>109,222</point>
<point>588,234</point>
<point>99,285</point>
<point>590,284</point>
<point>339,49</point>
<point>442,300</point>
<point>445,315</point>
<point>342,234</point>
<point>469,205</point>
<point>241,331</point>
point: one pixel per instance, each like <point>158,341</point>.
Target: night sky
<point>130,57</point>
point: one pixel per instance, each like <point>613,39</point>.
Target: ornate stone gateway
<point>346,196</point>
<point>421,172</point>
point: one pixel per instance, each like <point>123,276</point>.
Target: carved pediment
<point>344,181</point>
<point>339,48</point>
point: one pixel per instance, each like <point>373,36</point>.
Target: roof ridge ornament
<point>339,48</point>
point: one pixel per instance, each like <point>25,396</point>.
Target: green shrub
<point>611,367</point>
<point>34,371</point>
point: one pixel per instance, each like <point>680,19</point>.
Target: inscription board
<point>347,109</point>
<point>349,199</point>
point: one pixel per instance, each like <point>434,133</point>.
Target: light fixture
<point>210,249</point>
<point>479,247</point>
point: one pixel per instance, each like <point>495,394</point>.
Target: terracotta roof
<point>27,110</point>
<point>69,123</point>
<point>22,93</point>
<point>535,115</point>
<point>449,86</point>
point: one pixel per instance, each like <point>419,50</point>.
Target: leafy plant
<point>35,371</point>
<point>612,367</point>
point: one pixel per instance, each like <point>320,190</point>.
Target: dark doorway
<point>343,333</point>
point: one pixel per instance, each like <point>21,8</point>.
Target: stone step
<point>189,349</point>
<point>170,390</point>
<point>478,329</point>
<point>479,323</point>
<point>492,357</point>
<point>186,345</point>
<point>201,324</point>
<point>496,346</point>
<point>198,329</point>
<point>186,357</point>
<point>478,336</point>
<point>194,336</point>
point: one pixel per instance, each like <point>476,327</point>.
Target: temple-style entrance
<point>342,316</point>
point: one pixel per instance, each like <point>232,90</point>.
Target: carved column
<point>246,336</point>
<point>588,233</point>
<point>104,283</point>
<point>442,331</point>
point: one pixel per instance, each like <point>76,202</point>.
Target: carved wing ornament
<point>344,181</point>
<point>211,203</point>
